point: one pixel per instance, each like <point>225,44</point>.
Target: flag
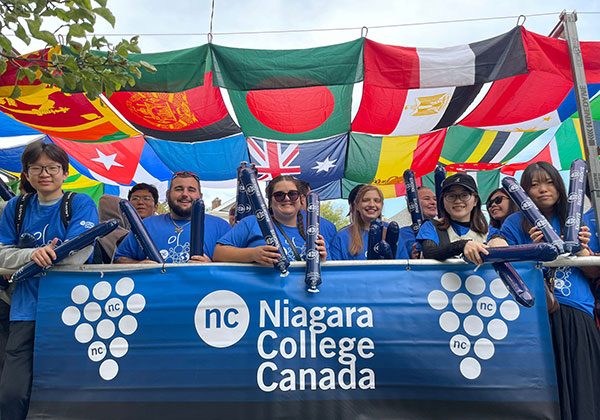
<point>251,69</point>
<point>401,112</point>
<point>116,161</point>
<point>211,160</point>
<point>318,162</point>
<point>195,114</point>
<point>383,160</point>
<point>397,67</point>
<point>294,114</point>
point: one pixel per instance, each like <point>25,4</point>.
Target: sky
<point>175,24</point>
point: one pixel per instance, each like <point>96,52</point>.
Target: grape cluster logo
<point>102,319</point>
<point>475,319</point>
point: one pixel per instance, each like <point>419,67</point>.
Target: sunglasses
<point>279,196</point>
<point>497,201</point>
<point>185,174</point>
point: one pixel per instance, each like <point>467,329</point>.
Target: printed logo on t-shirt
<point>40,236</point>
<point>561,280</point>
<point>178,252</point>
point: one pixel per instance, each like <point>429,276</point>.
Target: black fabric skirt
<point>576,341</point>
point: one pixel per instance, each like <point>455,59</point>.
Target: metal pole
<point>569,32</point>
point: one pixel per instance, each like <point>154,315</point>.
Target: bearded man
<point>171,232</point>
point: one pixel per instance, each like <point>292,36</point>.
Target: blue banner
<point>378,341</point>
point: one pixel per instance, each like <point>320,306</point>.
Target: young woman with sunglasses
<point>245,243</point>
<point>351,242</point>
<point>45,167</point>
<point>461,228</point>
<point>499,206</point>
<point>576,340</point>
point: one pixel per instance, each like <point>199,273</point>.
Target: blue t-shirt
<point>173,246</point>
<point>340,248</point>
<point>428,231</point>
<point>589,220</point>
<point>44,223</point>
<point>571,287</point>
<point>247,234</point>
<point>408,238</point>
<point>493,231</point>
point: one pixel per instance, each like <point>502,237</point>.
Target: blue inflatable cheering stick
<point>242,204</point>
<point>139,231</point>
<point>5,192</point>
<point>578,179</point>
<point>532,213</point>
<point>66,249</point>
<point>529,252</point>
<point>412,200</point>
<point>439,176</point>
<point>313,259</point>
<point>515,284</point>
<point>197,233</point>
<point>392,234</point>
<point>263,217</point>
<point>375,236</point>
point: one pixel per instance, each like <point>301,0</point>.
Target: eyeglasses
<point>497,201</point>
<point>38,169</point>
<point>279,196</point>
<point>185,174</point>
<point>135,199</point>
<point>463,196</point>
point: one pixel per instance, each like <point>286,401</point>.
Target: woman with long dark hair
<point>461,227</point>
<point>576,339</point>
<point>245,243</point>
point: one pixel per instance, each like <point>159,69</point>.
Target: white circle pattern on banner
<point>108,369</point>
<point>449,322</point>
<point>451,282</point>
<point>136,303</point>
<point>470,368</point>
<point>108,306</point>
<point>102,290</point>
<point>80,294</point>
<point>70,316</point>
<point>124,286</point>
<point>222,318</point>
<point>475,285</point>
<point>472,311</point>
<point>128,325</point>
<point>84,333</point>
<point>437,299</point>
<point>92,311</point>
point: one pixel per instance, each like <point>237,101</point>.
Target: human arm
<point>262,254</point>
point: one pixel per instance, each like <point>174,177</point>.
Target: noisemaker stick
<point>439,176</point>
<point>529,252</point>
<point>263,217</point>
<point>139,231</point>
<point>313,259</point>
<point>392,234</point>
<point>375,236</point>
<point>578,178</point>
<point>66,249</point>
<point>412,200</point>
<point>514,283</point>
<point>5,192</point>
<point>242,207</point>
<point>532,213</point>
<point>197,233</point>
<point>383,251</point>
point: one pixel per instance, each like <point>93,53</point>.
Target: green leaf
<point>76,30</point>
<point>5,44</point>
<point>75,46</point>
<point>70,81</point>
<point>16,92</point>
<point>106,14</point>
<point>22,34</point>
<point>34,25</point>
<point>3,65</point>
<point>29,73</point>
<point>147,66</point>
<point>47,37</point>
<point>101,2</point>
<point>92,88</point>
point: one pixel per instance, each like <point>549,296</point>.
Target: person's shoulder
<point>159,219</point>
<point>344,231</point>
<point>217,221</point>
<point>512,220</point>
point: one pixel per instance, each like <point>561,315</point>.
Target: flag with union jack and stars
<point>316,162</point>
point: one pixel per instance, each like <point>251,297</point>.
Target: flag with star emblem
<point>317,162</point>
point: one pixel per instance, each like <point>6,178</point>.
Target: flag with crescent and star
<point>317,162</point>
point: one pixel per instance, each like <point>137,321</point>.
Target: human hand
<point>266,254</point>
<point>44,256</point>
<point>472,250</point>
<point>200,258</point>
<point>321,247</point>
<point>536,235</point>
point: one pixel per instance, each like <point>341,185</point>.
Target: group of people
<point>459,230</point>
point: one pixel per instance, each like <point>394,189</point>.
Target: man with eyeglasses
<point>144,199</point>
<point>171,232</point>
<point>408,237</point>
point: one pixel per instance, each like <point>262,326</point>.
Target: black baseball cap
<point>353,193</point>
<point>460,179</point>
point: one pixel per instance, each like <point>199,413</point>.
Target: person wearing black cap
<point>461,227</point>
